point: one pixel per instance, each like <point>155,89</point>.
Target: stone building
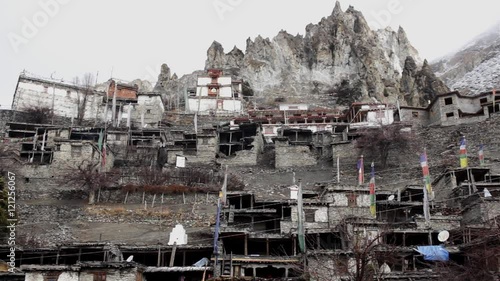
<point>299,117</point>
<point>101,261</point>
<point>216,94</point>
<point>113,271</point>
<point>259,232</point>
<point>451,109</point>
<point>124,106</point>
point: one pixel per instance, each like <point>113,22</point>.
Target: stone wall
<point>293,156</point>
<point>438,222</point>
<point>320,213</point>
<point>7,115</point>
<point>66,159</point>
<point>206,149</point>
<point>415,116</point>
<point>452,121</point>
<point>64,276</point>
<point>62,97</point>
<point>148,105</point>
<point>65,99</point>
<point>482,211</point>
<point>77,274</point>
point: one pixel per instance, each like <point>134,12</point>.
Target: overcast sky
<point>130,39</point>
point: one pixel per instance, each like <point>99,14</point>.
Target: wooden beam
<point>294,245</point>
<point>267,246</point>
<point>158,263</point>
<point>246,244</point>
<point>172,256</point>
<point>231,273</point>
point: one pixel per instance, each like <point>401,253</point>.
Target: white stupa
<point>178,236</point>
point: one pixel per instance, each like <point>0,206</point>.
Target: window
<point>414,114</point>
<point>45,89</point>
<point>351,200</point>
<point>212,92</point>
<point>68,93</point>
<point>450,114</point>
<point>448,101</point>
<point>205,141</point>
<point>117,137</point>
<point>309,214</point>
<point>51,277</point>
<point>76,151</point>
<point>483,100</point>
<point>99,276</point>
<point>148,111</point>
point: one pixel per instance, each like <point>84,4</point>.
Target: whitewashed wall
<point>206,105</point>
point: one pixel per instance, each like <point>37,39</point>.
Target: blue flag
<point>217,226</point>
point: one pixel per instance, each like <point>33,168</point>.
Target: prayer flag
<point>373,206</point>
<point>463,153</point>
<point>361,171</point>
<point>481,155</point>
<point>425,172</point>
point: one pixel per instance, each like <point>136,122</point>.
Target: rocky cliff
<point>338,61</point>
<point>475,67</point>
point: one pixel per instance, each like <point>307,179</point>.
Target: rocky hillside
<point>476,67</point>
<point>339,60</point>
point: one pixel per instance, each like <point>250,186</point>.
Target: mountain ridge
<point>337,61</point>
<point>475,67</point>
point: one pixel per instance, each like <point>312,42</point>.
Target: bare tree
<point>152,176</point>
<point>383,139</point>
<point>363,253</point>
<point>479,258</point>
<point>86,84</point>
<point>86,174</point>
<point>39,114</point>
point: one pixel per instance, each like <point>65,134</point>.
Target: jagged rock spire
<point>337,10</point>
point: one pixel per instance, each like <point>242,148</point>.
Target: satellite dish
<point>443,236</point>
<point>129,259</point>
<point>390,198</point>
